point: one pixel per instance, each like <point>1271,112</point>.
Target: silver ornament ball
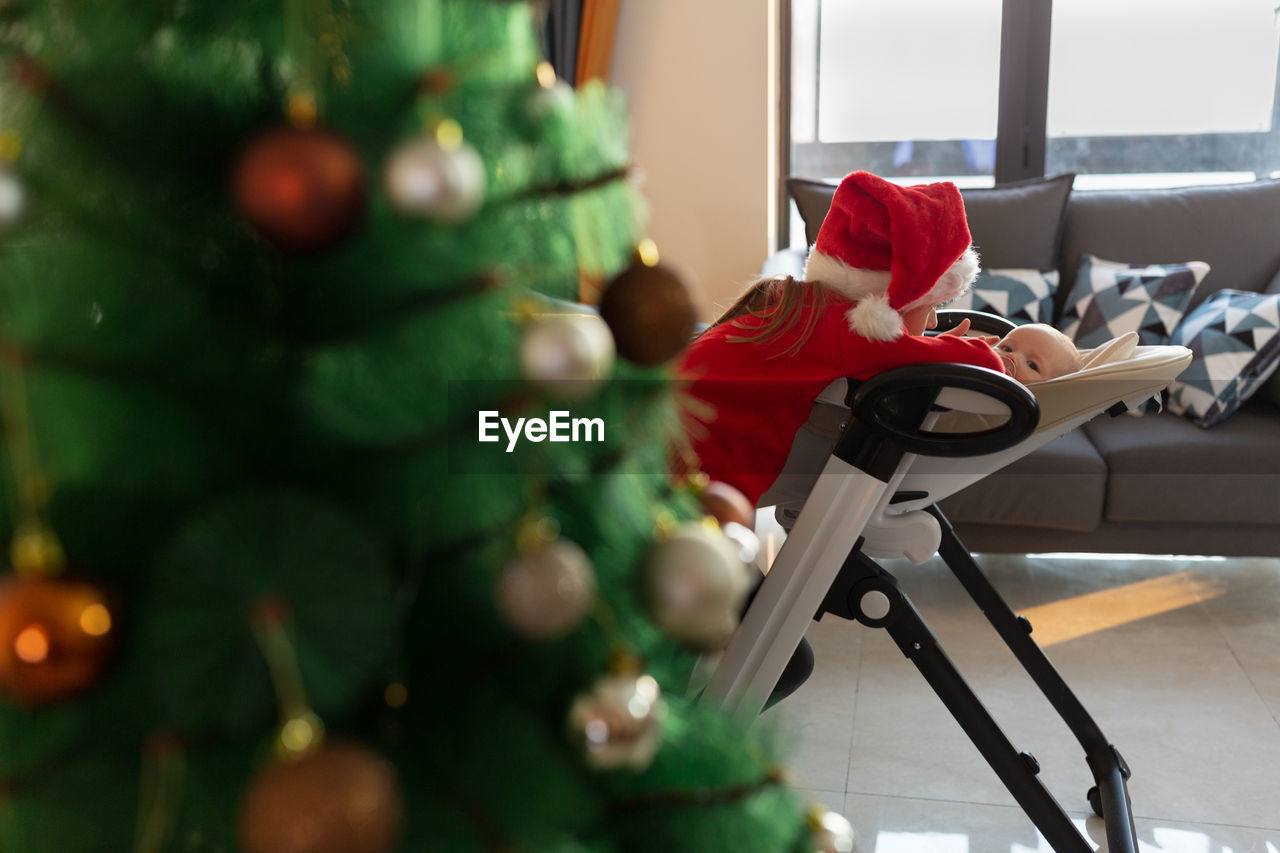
<point>567,356</point>
<point>695,583</point>
<point>429,180</point>
<point>618,722</point>
<point>13,198</point>
<point>556,100</point>
<point>543,594</point>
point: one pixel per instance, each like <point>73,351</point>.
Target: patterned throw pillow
<point>1023,296</point>
<point>1235,339</point>
<point>1111,298</point>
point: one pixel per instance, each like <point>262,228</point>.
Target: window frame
<point>1022,142</point>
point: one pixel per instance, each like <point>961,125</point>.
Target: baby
<point>1035,352</point>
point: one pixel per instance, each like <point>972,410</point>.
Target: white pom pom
<point>875,320</point>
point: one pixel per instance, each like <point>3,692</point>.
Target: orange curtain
<point>595,39</point>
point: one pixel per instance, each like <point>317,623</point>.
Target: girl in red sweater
<point>884,258</point>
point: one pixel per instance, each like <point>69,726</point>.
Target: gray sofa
<point>1156,484</point>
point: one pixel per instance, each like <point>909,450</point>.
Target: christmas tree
<point>264,268</point>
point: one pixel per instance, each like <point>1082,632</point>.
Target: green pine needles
<point>227,429</point>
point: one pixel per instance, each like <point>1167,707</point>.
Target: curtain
<point>560,37</point>
<point>579,38</point>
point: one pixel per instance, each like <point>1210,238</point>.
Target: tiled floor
<point>1178,660</point>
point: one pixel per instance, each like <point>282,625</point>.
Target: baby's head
<point>1036,352</point>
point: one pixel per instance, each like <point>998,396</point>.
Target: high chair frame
<point>823,568</point>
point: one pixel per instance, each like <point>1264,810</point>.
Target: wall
<point>697,78</point>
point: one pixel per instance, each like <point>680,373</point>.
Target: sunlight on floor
<point>1071,618</point>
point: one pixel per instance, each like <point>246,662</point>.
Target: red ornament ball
<point>650,312</point>
<point>55,638</point>
<point>726,504</point>
<point>302,190</point>
<point>340,798</point>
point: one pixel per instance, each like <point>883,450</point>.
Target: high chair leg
<point>1110,799</point>
<point>871,595</point>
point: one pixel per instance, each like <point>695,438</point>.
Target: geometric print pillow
<point>1111,298</point>
<point>1020,295</point>
<point>1234,338</point>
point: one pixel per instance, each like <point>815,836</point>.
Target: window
<point>1162,92</point>
<point>874,87</point>
<point>1135,94</point>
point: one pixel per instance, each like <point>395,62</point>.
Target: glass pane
<point>1159,92</point>
<point>906,89</point>
<point>804,70</point>
<point>895,70</point>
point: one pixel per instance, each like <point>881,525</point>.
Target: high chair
<point>861,483</point>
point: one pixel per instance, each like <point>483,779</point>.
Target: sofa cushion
<point>1019,224</point>
<point>1165,468</point>
<point>1231,228</point>
<point>1111,299</point>
<point>813,200</point>
<point>1235,340</point>
<point>1014,225</point>
<point>1060,486</point>
<point>1020,295</point>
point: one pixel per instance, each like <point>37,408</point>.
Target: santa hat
<point>890,249</point>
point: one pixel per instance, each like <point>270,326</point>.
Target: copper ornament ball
<point>726,504</point>
<point>56,636</point>
<point>342,798</point>
<point>650,312</point>
<point>302,190</point>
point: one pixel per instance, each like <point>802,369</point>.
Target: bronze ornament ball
<point>651,313</point>
<point>56,636</point>
<point>302,190</point>
<point>726,504</point>
<point>340,798</point>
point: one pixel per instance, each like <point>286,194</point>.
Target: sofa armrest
<point>785,262</point>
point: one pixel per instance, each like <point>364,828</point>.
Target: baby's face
<point>1035,353</point>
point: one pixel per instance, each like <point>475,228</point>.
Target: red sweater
<point>749,399</point>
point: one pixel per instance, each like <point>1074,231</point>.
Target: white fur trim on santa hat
<point>853,283</point>
<point>954,282</point>
<point>874,319</point>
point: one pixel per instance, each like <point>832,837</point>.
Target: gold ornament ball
<point>618,722</point>
<point>694,583</point>
<point>832,832</point>
<point>650,312</point>
<point>567,356</point>
<point>55,638</point>
<point>303,190</point>
<point>341,798</point>
<point>543,594</point>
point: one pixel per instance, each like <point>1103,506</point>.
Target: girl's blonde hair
<point>779,301</point>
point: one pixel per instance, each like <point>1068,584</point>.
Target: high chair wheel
<point>894,404</point>
<point>1095,800</point>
